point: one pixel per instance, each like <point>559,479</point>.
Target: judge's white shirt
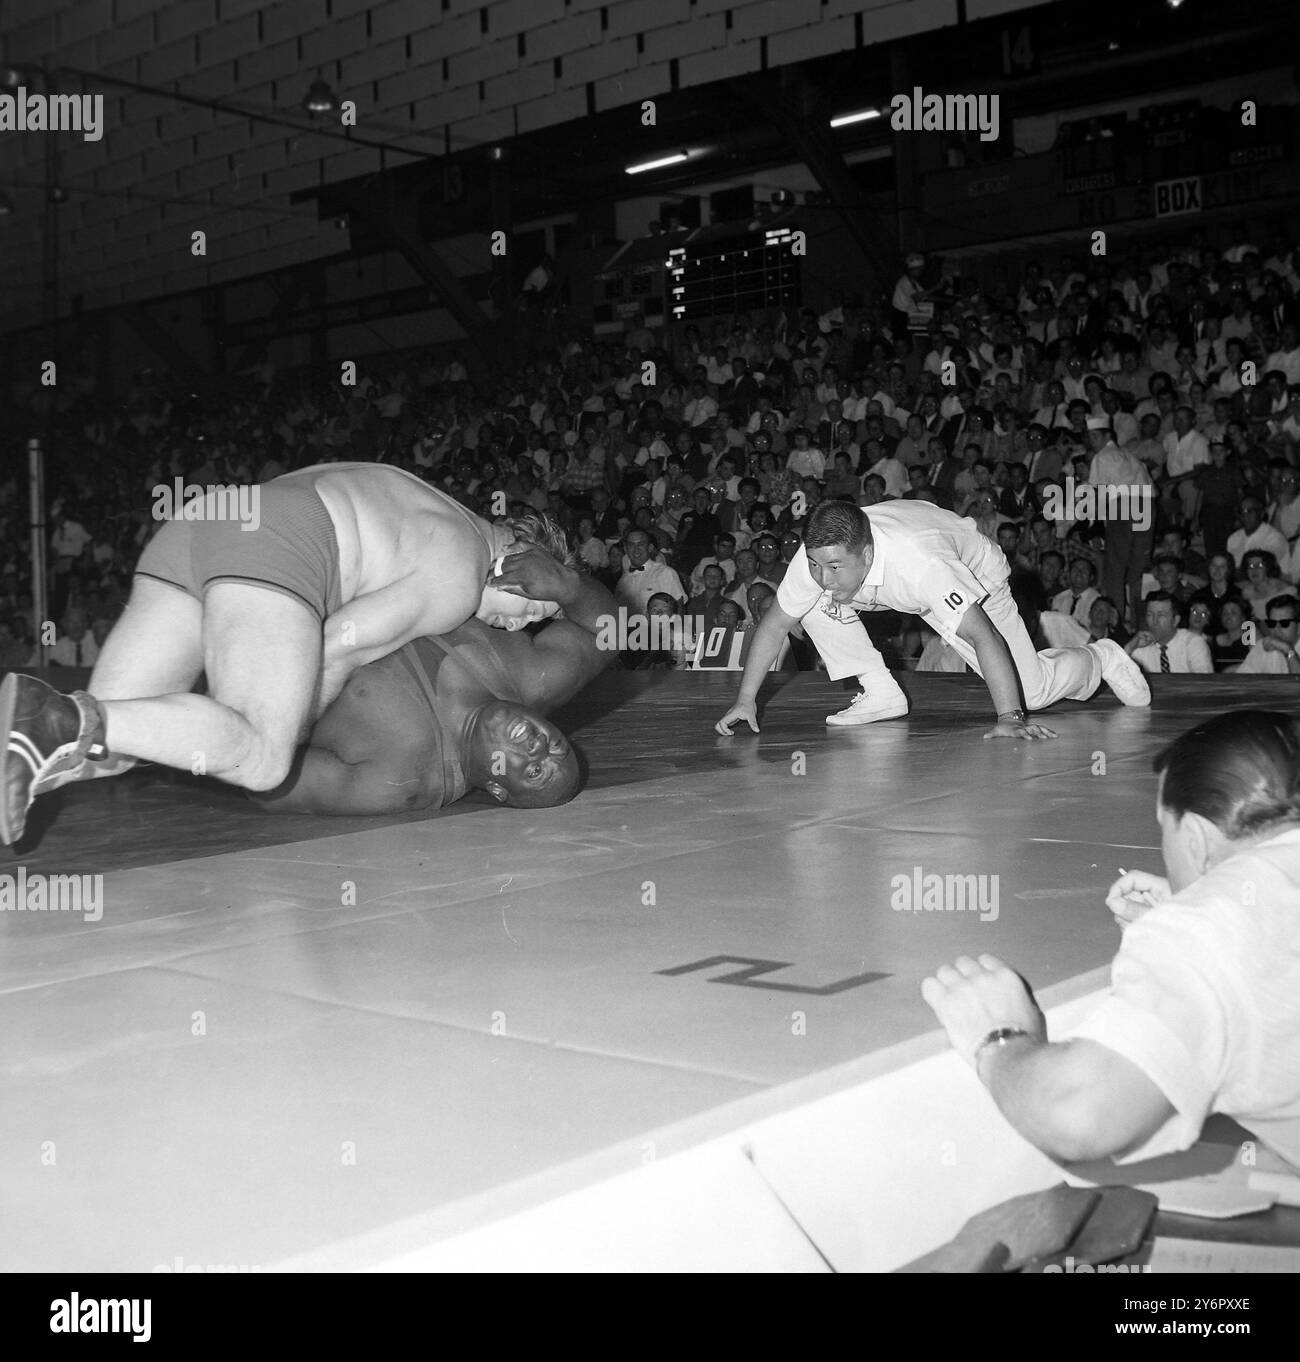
<point>1205,1000</point>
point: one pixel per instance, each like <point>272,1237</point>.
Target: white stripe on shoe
<point>22,746</point>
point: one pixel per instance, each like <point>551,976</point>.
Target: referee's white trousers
<point>1054,674</point>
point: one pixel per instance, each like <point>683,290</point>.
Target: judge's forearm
<point>1044,1092</point>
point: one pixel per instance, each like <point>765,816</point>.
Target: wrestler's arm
<point>556,662</point>
<point>364,755</point>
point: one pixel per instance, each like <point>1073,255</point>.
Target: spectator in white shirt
<point>719,368</point>
<point>1076,600</point>
<point>1275,653</point>
<point>804,460</point>
<point>645,575</point>
<point>701,408</point>
<point>1255,534</point>
<point>1203,1013</point>
<point>1164,647</point>
<point>1286,357</point>
<point>908,293</point>
<point>74,647</point>
<point>1186,449</point>
<point>893,473</point>
<point>67,541</point>
<point>723,556</point>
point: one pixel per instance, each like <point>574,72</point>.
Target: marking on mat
<point>748,977</point>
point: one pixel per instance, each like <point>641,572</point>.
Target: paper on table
<point>1200,1255</point>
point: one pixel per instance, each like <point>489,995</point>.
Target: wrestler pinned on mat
<point>349,562</point>
<point>441,716</point>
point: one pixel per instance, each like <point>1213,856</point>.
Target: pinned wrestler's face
<point>520,759</point>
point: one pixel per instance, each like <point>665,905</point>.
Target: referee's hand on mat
<point>740,710</point>
<point>1017,728</point>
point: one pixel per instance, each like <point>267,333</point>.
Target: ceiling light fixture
<point>860,117</point>
<point>320,99</point>
<point>675,159</point>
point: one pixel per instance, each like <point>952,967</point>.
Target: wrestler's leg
<point>155,648</point>
<point>262,654</point>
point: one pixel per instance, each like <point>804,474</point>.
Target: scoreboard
<point>702,272</point>
<point>747,271</point>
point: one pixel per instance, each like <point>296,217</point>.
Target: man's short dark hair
<point>835,523</point>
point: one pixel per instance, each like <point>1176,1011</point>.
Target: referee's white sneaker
<point>866,709</point>
<point>1121,673</point>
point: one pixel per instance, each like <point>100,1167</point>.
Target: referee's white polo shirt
<point>928,562</point>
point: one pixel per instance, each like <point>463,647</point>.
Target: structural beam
<point>393,215</point>
<point>280,314</point>
<point>161,341</point>
<point>802,114</point>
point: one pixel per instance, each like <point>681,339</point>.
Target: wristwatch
<point>999,1036</point>
<point>1018,715</point>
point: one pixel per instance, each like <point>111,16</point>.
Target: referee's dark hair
<point>834,523</point>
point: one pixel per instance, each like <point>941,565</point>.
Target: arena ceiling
<point>204,129</point>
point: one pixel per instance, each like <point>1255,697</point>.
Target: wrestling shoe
<point>1121,673</point>
<point>47,738</point>
<point>866,710</point>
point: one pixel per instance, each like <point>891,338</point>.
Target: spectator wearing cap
<point>908,293</point>
<point>1275,653</point>
<point>1163,646</point>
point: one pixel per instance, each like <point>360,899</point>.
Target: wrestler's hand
<point>742,709</point>
<point>973,997</point>
<point>1014,728</point>
<point>535,574</point>
<point>1134,893</point>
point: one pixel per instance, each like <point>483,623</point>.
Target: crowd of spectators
<point>1171,374</point>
